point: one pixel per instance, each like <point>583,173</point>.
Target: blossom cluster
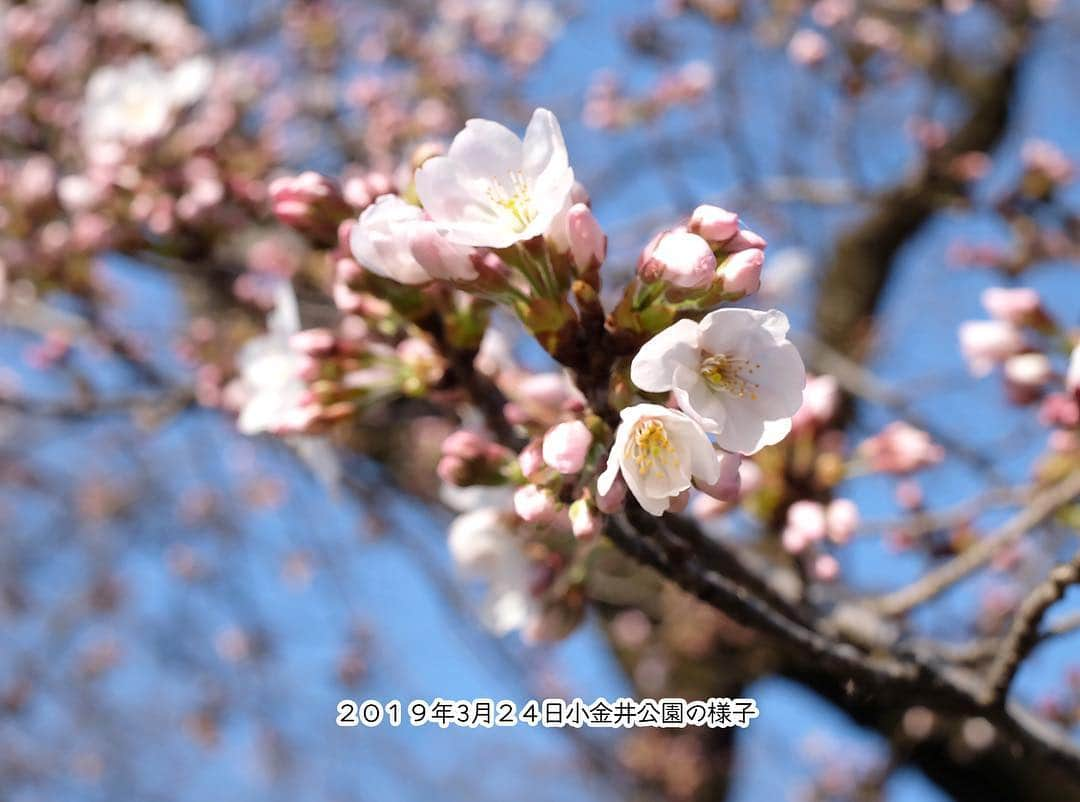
<point>664,393</point>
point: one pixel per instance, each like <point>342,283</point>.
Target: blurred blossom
<point>901,448</point>
<point>566,446</point>
<point>269,366</point>
<point>808,47</point>
<point>135,103</point>
<point>986,343</point>
<point>484,547</point>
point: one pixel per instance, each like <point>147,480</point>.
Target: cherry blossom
<point>735,373</point>
<point>659,453</point>
<point>493,189</point>
<point>484,546</point>
<point>270,368</point>
<point>135,102</point>
<point>382,240</point>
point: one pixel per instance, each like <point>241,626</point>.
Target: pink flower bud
<point>310,203</point>
<point>612,501</point>
<point>1048,159</point>
<point>842,519</point>
<point>346,299</point>
<point>313,342</point>
<point>743,240</point>
<point>584,522</point>
<point>1012,305</point>
<point>726,488</point>
<point>706,507</point>
<point>439,257</point>
<point>807,517</point>
<point>588,245</point>
<point>793,540</point>
<point>742,271</point>
<point>534,504</point>
<point>713,223</point>
<point>985,343</point>
<point>453,471</point>
<point>465,445</point>
<point>1030,371</point>
<point>1060,409</point>
<point>347,269</point>
<point>808,47</point>
<point>531,460</point>
<point>682,259</point>
<point>566,446</point>
<point>826,568</point>
<point>821,398</point>
<point>901,448</point>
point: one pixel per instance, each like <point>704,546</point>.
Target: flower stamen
<point>649,447</point>
<point>730,374</point>
<point>517,201</point>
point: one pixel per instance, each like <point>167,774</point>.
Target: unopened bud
<point>713,223</point>
<point>682,259</point>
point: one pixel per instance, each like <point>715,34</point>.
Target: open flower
<point>382,240</point>
<point>483,546</point>
<point>659,452</point>
<point>492,189</point>
<point>135,102</point>
<point>735,373</point>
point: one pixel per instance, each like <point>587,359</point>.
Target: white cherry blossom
<point>735,373</point>
<point>136,102</point>
<point>483,546</point>
<point>274,394</point>
<point>382,240</point>
<point>270,371</point>
<point>493,189</point>
<point>396,240</point>
<point>659,452</point>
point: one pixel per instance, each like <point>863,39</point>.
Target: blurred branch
<point>1023,635</point>
<point>1041,506</point>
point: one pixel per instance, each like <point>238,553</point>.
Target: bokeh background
<point>181,606</point>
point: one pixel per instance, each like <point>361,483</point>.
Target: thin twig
<point>1042,506</point>
<point>1023,634</point>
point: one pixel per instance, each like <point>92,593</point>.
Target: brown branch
<point>852,670</point>
<point>1023,634</point>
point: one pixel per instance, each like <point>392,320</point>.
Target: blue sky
<point>383,584</point>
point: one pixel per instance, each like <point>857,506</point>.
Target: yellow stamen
<point>517,201</point>
<point>649,447</point>
<point>731,374</point>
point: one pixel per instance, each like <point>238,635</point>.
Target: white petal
<point>285,318</point>
<point>746,432</point>
<point>780,380</point>
<point>698,400</point>
<point>776,323</point>
<point>611,471</point>
<point>654,366</point>
<point>724,331</point>
<point>543,148</point>
<point>702,455</point>
<point>484,149</point>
